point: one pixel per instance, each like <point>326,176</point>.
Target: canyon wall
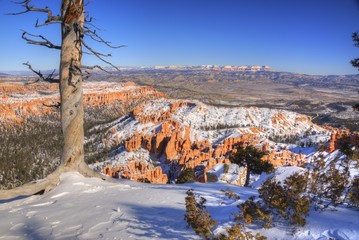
<point>19,101</point>
<point>175,136</point>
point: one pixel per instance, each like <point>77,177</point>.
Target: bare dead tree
<point>74,27</point>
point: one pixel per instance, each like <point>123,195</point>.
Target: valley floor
<point>83,208</point>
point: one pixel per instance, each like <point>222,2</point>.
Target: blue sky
<point>304,36</point>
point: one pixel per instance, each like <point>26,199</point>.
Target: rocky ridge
<point>19,101</point>
<point>176,134</point>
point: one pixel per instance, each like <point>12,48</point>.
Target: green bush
<point>200,220</point>
<point>186,176</point>
<point>230,194</point>
<point>197,217</point>
<point>252,211</point>
<point>238,231</point>
<point>288,199</point>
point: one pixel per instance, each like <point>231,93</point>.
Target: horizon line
<point>208,67</point>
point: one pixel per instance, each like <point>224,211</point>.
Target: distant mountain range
<point>207,67</point>
<point>244,69</point>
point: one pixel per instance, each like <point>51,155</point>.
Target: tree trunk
<point>71,92</point>
<point>248,174</point>
<point>71,84</point>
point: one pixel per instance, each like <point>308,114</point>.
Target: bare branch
<point>88,19</point>
<point>45,42</point>
<point>47,22</point>
<point>94,36</point>
<point>29,8</point>
<point>86,76</point>
<point>89,23</point>
<point>100,56</point>
<point>89,30</point>
<point>49,78</point>
<point>93,67</point>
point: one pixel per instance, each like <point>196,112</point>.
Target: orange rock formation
<point>19,101</point>
<point>173,140</point>
<point>139,171</point>
<point>338,137</point>
<point>285,157</point>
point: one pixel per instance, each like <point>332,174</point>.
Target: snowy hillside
<point>164,132</point>
<point>217,123</point>
<point>84,208</point>
<point>199,116</point>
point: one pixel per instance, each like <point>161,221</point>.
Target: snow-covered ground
<point>85,208</point>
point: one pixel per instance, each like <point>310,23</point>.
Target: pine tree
<point>354,192</point>
<point>251,158</point>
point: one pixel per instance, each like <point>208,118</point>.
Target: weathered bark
<point>71,83</point>
<point>71,92</point>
